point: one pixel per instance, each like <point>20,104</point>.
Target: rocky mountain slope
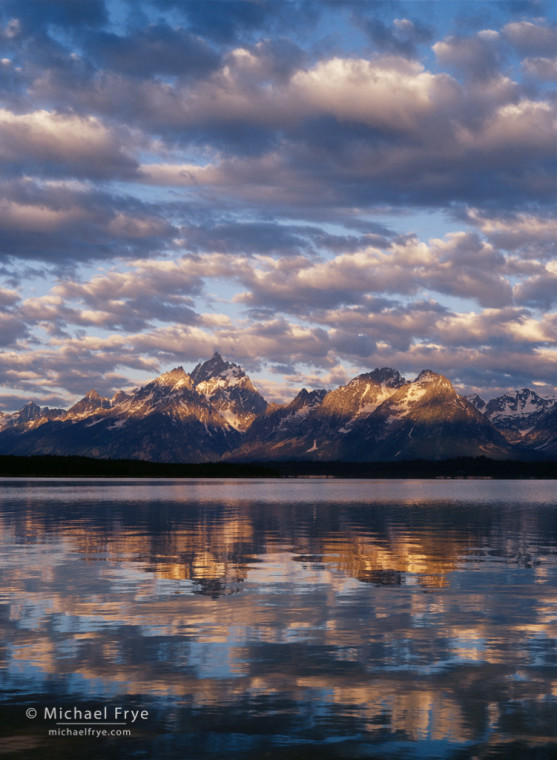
<point>216,413</point>
<point>425,419</point>
<point>314,425</point>
<point>230,391</point>
<point>542,438</point>
<point>515,414</point>
<point>167,420</point>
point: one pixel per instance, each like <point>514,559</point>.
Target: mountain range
<point>215,413</point>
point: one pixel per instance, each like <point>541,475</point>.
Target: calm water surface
<point>296,619</point>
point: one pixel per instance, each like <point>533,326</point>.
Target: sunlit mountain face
<point>217,413</point>
<point>313,189</point>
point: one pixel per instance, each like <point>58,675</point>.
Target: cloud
<point>247,177</point>
<point>376,324</point>
<point>469,268</point>
<point>235,236</point>
<point>132,300</point>
<point>157,49</point>
<point>531,236</point>
<point>11,329</point>
<point>360,307</point>
<point>229,21</point>
<point>400,38</point>
<point>65,223</point>
<point>544,69</point>
<point>8,297</point>
<point>530,38</point>
<point>62,145</point>
<point>34,14</point>
<point>515,344</point>
<point>366,132</point>
<point>223,20</point>
<point>539,291</point>
<point>460,265</point>
<point>283,130</point>
<point>478,56</point>
<point>503,329</point>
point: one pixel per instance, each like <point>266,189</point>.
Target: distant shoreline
<point>461,468</point>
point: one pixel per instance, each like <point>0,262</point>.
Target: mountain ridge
<point>215,413</point>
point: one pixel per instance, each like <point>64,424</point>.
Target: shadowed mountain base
<point>463,467</point>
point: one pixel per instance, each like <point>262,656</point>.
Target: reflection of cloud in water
<point>385,619</point>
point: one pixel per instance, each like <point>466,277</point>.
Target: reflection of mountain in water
<point>215,547</point>
<point>382,621</point>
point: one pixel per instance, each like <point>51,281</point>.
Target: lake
<point>278,619</point>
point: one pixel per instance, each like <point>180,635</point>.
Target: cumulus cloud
<point>402,37</point>
<point>541,68</point>
<point>460,265</point>
<point>469,268</point>
<point>62,145</point>
<point>280,129</point>
<point>352,307</point>
<point>514,344</point>
<point>539,291</point>
<point>477,56</point>
<point>532,236</point>
<point>531,38</point>
<point>181,177</point>
<point>362,131</point>
<point>65,222</point>
<point>11,329</point>
<point>158,49</point>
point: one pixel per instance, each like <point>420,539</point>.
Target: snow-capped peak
<point>91,402</point>
<point>476,401</point>
<point>229,390</point>
<point>176,378</point>
<point>387,376</point>
<point>119,397</point>
<point>523,401</point>
<point>216,367</point>
<point>29,412</point>
<point>517,412</point>
<point>427,376</point>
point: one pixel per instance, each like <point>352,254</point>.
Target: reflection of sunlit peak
<point>206,566</point>
<point>415,714</point>
<point>531,627</point>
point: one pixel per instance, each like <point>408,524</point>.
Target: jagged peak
<point>526,394</point>
<point>523,401</point>
<point>476,401</point>
<point>429,376</point>
<point>90,402</point>
<point>30,411</point>
<point>385,375</point>
<point>118,397</point>
<point>216,366</point>
<point>176,376</point>
<point>311,398</point>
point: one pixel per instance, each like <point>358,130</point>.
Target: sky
<point>313,188</point>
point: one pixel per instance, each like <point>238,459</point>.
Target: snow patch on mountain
<point>516,414</point>
<point>230,391</point>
